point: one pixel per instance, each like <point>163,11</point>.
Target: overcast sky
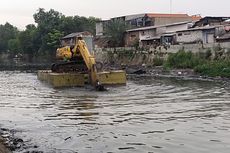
<point>20,12</point>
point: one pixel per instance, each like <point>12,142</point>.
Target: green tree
<point>52,24</point>
<point>7,32</point>
<point>46,22</point>
<point>14,46</point>
<point>27,40</point>
<point>115,31</point>
<point>43,39</point>
<point>78,24</point>
<point>53,38</point>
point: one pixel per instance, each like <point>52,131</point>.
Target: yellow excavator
<point>77,58</point>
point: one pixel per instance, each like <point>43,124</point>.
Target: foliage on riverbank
<point>182,60</point>
<point>214,68</point>
<point>202,63</point>
<point>43,38</point>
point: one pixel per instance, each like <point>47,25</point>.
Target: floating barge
<point>106,78</point>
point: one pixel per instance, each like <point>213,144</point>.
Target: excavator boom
<point>89,60</point>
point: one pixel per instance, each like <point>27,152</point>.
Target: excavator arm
<point>90,62</point>
<point>88,58</point>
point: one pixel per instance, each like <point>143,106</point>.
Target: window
<point>133,35</point>
<point>179,34</point>
<point>187,33</point>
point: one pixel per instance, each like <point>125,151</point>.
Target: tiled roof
<point>196,17</point>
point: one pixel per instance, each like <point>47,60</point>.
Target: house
<point>153,34</point>
<point>224,35</point>
<point>145,20</point>
<point>162,19</point>
<point>224,38</point>
<point>70,39</point>
<point>196,35</point>
<point>207,34</point>
<point>211,21</point>
<point>101,26</point>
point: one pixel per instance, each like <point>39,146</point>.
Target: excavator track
<point>70,66</point>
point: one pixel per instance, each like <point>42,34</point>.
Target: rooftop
<point>201,28</point>
<point>77,34</point>
<point>154,27</point>
<point>161,15</point>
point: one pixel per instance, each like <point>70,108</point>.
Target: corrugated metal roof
<point>159,15</point>
<point>154,27</point>
<point>131,17</point>
<point>76,34</point>
<point>200,28</point>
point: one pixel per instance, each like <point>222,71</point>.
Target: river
<point>159,115</point>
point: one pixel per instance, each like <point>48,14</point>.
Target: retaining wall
<point>133,56</point>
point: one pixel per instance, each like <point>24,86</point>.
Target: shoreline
<point>183,74</point>
<point>139,70</point>
<point>3,147</point>
<point>10,143</point>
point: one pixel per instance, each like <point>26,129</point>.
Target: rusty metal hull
<point>80,80</point>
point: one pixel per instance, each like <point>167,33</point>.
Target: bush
<point>200,62</point>
<point>214,68</point>
<point>205,55</point>
<point>183,60</point>
<point>157,61</point>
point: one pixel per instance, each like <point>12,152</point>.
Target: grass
<point>157,61</point>
<point>200,62</point>
<point>182,60</point>
<point>214,68</point>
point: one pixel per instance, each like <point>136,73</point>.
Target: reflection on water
<point>147,115</point>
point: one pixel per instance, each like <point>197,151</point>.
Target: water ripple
<point>147,115</point>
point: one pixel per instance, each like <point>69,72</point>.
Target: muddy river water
<point>148,115</point>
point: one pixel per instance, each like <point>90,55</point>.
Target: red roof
<point>196,17</point>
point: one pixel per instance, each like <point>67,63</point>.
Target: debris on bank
<point>159,71</point>
<point>3,148</point>
<point>10,143</point>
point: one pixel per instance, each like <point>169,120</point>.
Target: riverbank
<point>154,71</point>
<point>211,62</point>
<point>3,148</point>
<point>9,142</point>
<point>24,67</point>
<point>161,72</point>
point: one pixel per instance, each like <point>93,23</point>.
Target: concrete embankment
<point>150,56</point>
